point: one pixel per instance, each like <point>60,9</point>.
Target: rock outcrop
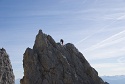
<point>52,63</point>
<point>6,71</point>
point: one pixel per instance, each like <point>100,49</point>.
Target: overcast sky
<point>95,27</point>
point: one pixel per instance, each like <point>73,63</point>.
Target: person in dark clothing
<point>61,41</point>
<point>2,49</point>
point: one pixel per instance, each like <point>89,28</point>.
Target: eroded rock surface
<point>51,63</point>
<point>6,71</point>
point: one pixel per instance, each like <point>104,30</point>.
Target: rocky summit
<point>52,63</point>
<point>6,71</point>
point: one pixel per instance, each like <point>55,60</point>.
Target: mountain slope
<point>52,63</point>
<point>114,79</point>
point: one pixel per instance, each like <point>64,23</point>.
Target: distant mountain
<point>110,79</point>
<point>17,81</point>
<point>120,79</point>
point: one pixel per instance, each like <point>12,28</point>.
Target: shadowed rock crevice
<point>52,63</point>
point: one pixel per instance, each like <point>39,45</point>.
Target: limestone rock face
<point>52,63</point>
<point>6,71</point>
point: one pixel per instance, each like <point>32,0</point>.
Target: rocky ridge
<point>6,71</point>
<point>52,63</point>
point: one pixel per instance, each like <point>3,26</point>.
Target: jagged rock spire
<point>40,42</point>
<point>43,41</point>
<point>6,71</point>
<point>50,63</point>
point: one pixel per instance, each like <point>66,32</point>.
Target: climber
<point>2,49</point>
<point>61,41</point>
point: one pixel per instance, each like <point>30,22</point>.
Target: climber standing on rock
<point>61,41</point>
